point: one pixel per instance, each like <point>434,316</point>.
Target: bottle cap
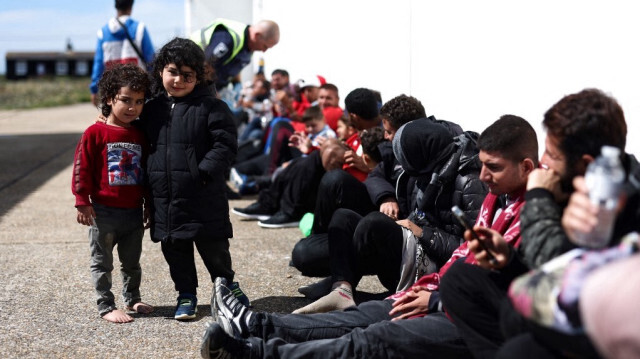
<point>610,151</point>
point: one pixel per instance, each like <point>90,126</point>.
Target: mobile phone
<point>457,212</point>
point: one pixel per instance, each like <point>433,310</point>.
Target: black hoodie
<point>439,172</point>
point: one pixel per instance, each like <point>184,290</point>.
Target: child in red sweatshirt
<point>107,182</point>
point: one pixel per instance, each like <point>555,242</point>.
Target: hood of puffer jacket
<point>421,146</point>
<point>463,160</point>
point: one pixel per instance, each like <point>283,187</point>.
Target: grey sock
<point>340,298</point>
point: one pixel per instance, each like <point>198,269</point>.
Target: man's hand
<point>414,228</point>
<point>94,99</point>
<point>85,215</point>
<point>547,179</point>
<point>282,103</point>
<point>353,160</point>
<point>580,216</point>
<point>300,141</point>
<point>494,242</point>
<point>321,140</point>
<point>414,302</point>
<point>390,207</point>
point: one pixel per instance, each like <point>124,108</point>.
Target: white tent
<point>467,61</point>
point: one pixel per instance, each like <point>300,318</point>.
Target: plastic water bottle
<point>268,114</point>
<point>604,179</point>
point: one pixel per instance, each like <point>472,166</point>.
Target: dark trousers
<point>267,160</point>
<point>338,189</point>
<point>253,130</point>
<point>364,331</point>
<point>256,166</point>
<point>295,189</point>
<point>179,255</point>
<point>541,342</point>
<point>370,245</point>
<point>310,255</point>
<point>476,300</point>
<point>279,151</point>
<point>524,346</point>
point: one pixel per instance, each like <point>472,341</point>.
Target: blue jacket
<point>113,47</point>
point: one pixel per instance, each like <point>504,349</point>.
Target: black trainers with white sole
<point>253,211</point>
<point>279,220</point>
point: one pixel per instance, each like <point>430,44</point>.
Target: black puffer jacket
<point>452,180</point>
<point>192,145</point>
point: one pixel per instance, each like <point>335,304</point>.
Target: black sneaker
<point>231,314</point>
<point>253,211</point>
<point>279,220</point>
<point>317,290</point>
<point>216,344</point>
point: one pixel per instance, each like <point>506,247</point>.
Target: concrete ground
<point>47,304</point>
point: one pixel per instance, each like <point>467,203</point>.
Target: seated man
<point>381,329</point>
<point>439,172</point>
<point>583,290</point>
<point>577,127</point>
<point>294,191</point>
<point>248,176</point>
<point>340,190</point>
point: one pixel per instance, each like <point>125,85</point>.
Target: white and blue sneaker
<point>236,178</point>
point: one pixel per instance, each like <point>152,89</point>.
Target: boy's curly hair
<point>181,52</point>
<point>402,109</point>
<point>117,77</point>
<point>370,139</point>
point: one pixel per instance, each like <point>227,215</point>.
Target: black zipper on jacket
<point>168,160</point>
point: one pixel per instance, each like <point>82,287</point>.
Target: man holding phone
<point>377,329</point>
<point>577,127</point>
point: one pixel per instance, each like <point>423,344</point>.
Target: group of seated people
<point>515,285</point>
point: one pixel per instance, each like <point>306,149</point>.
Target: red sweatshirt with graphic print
<point>108,167</point>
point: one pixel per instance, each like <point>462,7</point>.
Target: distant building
<point>22,65</point>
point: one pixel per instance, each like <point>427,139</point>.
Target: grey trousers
<point>121,227</point>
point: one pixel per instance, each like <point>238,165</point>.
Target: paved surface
<point>47,305</point>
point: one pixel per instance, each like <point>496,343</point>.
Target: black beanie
<point>363,103</point>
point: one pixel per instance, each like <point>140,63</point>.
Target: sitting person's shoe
<point>232,315</point>
<point>248,188</point>
<point>235,288</point>
<point>187,307</point>
<point>318,289</point>
<point>216,344</point>
<point>279,220</point>
<point>253,211</point>
<point>236,178</point>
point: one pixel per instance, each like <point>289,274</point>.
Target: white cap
<point>610,151</point>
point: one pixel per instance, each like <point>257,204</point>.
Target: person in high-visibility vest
<point>229,44</point>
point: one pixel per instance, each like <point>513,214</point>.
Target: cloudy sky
<point>45,25</point>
